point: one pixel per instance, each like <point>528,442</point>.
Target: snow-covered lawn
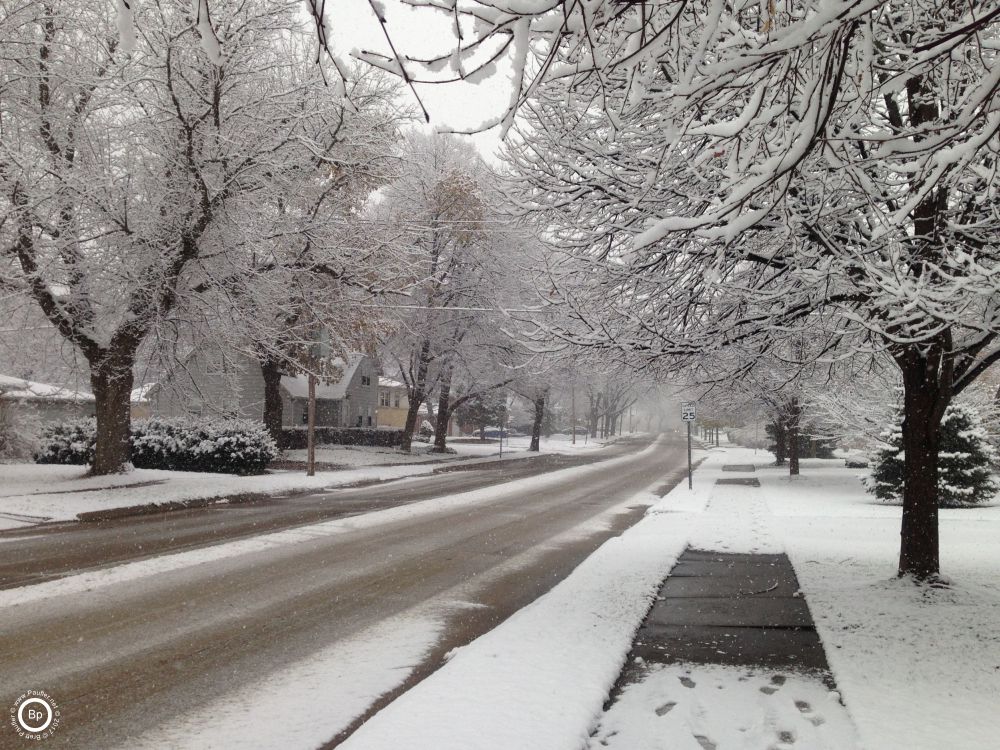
<point>357,456</point>
<point>30,493</point>
<point>916,668</point>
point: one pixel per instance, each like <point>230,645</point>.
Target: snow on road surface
<point>306,704</point>
<point>162,564</point>
<point>334,686</point>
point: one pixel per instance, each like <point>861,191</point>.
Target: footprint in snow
<point>705,743</point>
<point>665,709</point>
<point>806,710</point>
<point>687,682</point>
<point>776,682</point>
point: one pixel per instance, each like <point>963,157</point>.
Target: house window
<point>366,380</point>
<point>360,421</point>
<point>395,400</point>
<point>383,398</point>
<point>305,416</point>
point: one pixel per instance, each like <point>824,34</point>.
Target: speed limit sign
<point>688,412</point>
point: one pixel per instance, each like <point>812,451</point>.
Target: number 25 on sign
<point>688,412</point>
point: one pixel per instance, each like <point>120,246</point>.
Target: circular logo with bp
<point>34,715</point>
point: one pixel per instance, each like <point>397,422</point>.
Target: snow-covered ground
<point>31,493</point>
<point>357,456</point>
<point>916,668</point>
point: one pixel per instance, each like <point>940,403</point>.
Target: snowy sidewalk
<point>728,657</point>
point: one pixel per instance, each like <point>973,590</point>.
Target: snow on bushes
<point>964,460</point>
<point>70,442</point>
<point>228,446</point>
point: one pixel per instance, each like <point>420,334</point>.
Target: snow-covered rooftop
<point>389,383</point>
<point>140,395</point>
<point>17,388</point>
<point>297,386</point>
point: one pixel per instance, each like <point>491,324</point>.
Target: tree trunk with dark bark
<point>792,419</point>
<point>111,379</point>
<point>924,403</point>
<point>270,371</point>
<point>780,441</point>
<point>443,415</point>
<point>536,425</point>
<point>416,392</point>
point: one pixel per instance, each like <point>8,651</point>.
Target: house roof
<point>140,395</point>
<point>297,386</point>
<point>29,390</point>
<point>389,383</point>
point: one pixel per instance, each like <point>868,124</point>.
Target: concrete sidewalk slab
<point>731,609</point>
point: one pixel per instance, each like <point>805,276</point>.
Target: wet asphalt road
<point>131,656</point>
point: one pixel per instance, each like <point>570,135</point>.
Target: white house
<point>209,386</point>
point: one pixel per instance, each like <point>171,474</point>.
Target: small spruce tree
<point>964,460</point>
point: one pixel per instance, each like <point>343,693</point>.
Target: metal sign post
<point>688,414</point>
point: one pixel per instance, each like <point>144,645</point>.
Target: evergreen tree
<point>964,460</point>
<point>483,411</point>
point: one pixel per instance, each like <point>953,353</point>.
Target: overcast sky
<point>459,105</point>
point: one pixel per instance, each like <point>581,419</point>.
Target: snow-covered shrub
<point>231,446</point>
<point>227,446</point>
<point>964,461</point>
<point>70,442</point>
<point>425,433</point>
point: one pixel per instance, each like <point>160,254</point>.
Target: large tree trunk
<point>411,422</point>
<point>270,370</point>
<point>793,417</point>
<point>443,414</point>
<point>111,379</point>
<point>780,441</point>
<point>924,402</point>
<point>536,425</point>
<point>416,393</point>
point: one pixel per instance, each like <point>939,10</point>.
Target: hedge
<point>294,438</point>
<point>229,446</point>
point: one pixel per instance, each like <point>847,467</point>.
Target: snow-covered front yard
<point>31,493</point>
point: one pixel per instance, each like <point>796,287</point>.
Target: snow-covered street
<point>246,628</point>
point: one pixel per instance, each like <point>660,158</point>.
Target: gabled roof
<point>297,386</point>
<point>29,390</point>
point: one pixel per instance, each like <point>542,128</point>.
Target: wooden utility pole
<point>311,429</point>
<point>572,401</point>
